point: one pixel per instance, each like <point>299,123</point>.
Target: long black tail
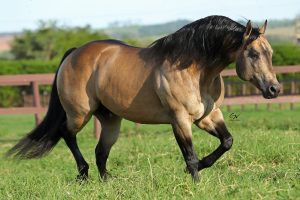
<point>45,136</point>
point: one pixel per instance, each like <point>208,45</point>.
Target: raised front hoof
<point>196,178</point>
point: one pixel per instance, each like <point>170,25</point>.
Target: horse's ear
<point>247,31</point>
<point>262,29</point>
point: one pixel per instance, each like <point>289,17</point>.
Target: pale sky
<point>16,15</point>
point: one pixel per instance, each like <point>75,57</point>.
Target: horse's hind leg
<point>214,124</point>
<point>110,124</point>
<point>72,126</point>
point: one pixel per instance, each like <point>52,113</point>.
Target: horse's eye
<point>253,54</point>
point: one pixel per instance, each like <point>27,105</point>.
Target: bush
<point>27,66</point>
<point>50,41</point>
<point>10,96</point>
<point>286,54</point>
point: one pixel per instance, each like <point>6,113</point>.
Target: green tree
<point>50,41</point>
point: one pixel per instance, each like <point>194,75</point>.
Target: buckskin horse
<point>176,81</point>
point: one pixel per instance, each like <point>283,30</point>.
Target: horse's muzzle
<point>272,91</point>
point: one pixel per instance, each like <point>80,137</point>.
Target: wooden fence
<point>246,97</point>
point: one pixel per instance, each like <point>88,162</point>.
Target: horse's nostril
<point>274,89</point>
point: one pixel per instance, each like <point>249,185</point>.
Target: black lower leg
<point>82,165</point>
<point>109,134</point>
<point>190,158</point>
<point>101,159</point>
<point>226,143</point>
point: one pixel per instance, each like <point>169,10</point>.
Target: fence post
<point>293,87</point>
<point>293,91</point>
<point>244,92</point>
<point>36,101</point>
<point>229,93</point>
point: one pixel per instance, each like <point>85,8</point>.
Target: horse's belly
<point>135,102</point>
<point>150,116</point>
<point>144,109</point>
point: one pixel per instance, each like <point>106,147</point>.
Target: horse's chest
<point>181,95</point>
<point>187,95</point>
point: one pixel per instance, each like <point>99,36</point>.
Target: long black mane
<point>208,40</point>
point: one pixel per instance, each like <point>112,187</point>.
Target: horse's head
<point>254,62</point>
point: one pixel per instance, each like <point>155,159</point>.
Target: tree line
<point>50,41</point>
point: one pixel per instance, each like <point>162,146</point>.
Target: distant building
<point>5,42</point>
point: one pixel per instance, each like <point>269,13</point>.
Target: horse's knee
<point>206,124</point>
<point>227,143</point>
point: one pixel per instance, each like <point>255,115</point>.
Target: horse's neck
<point>212,70</point>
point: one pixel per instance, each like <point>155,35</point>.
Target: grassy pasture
<point>146,163</point>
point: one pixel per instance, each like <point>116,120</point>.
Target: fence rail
<point>35,80</point>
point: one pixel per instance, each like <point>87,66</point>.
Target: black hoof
<point>82,178</point>
<point>105,175</point>
<point>195,175</point>
<point>196,178</point>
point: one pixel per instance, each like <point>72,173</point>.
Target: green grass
<point>264,162</point>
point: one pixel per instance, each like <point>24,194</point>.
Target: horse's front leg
<point>214,124</point>
<point>182,128</point>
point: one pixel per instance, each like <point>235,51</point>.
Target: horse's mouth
<point>269,96</point>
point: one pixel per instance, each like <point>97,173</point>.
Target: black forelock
<point>209,39</point>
